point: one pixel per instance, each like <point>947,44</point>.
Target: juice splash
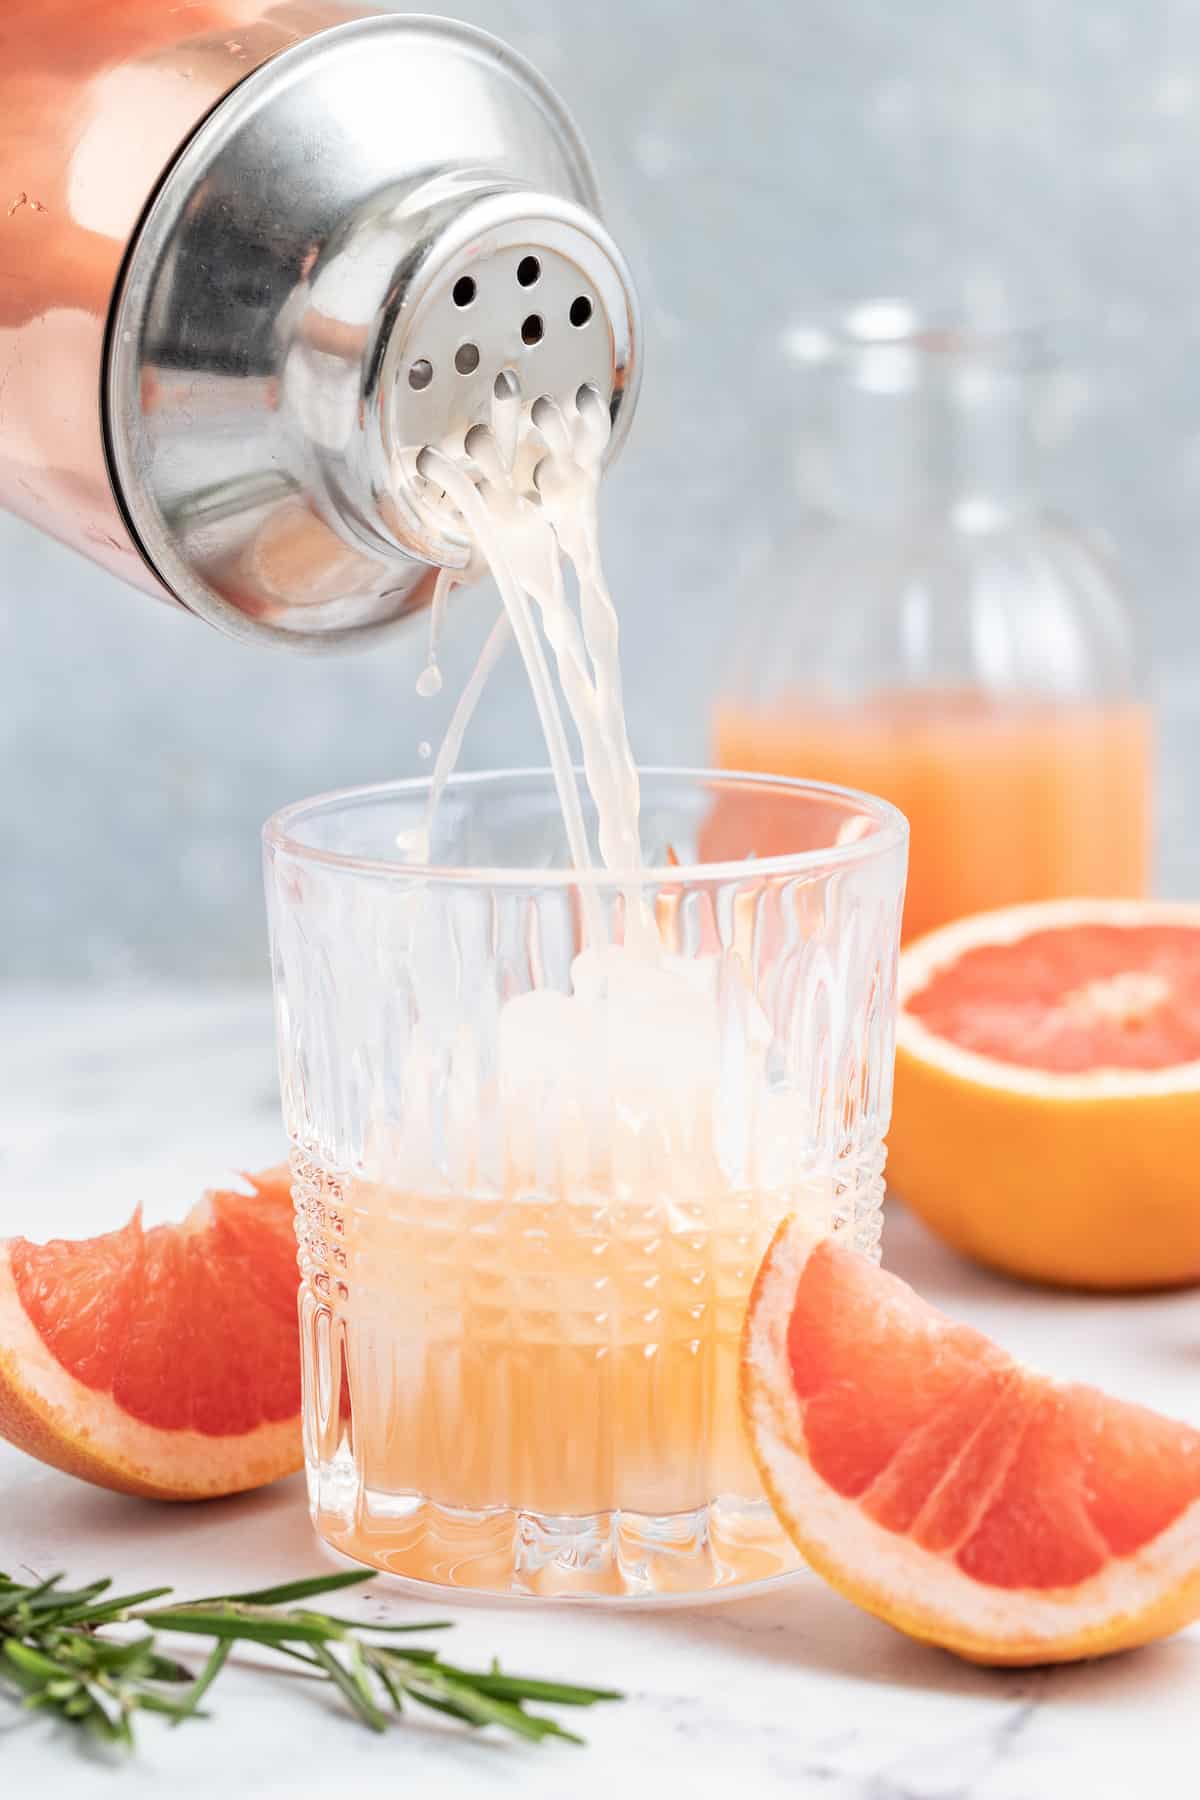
<point>1007,802</point>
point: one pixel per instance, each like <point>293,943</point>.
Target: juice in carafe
<point>934,633</point>
<point>1007,801</point>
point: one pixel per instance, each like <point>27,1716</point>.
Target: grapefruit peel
<point>1133,1599</point>
<point>1084,1178</point>
<point>53,1415</point>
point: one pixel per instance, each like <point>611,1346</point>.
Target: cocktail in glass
<point>537,1161</point>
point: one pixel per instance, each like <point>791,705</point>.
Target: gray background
<point>761,162</point>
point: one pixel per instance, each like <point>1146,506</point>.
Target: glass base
<point>726,1545</point>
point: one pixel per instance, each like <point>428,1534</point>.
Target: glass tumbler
<point>538,1155</point>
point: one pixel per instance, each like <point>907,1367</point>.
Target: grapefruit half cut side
<point>160,1362</point>
<point>1047,1101</point>
<point>945,1487</point>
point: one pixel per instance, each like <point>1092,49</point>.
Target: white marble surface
<point>150,1095</point>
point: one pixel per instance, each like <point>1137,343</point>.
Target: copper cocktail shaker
<point>253,257</point>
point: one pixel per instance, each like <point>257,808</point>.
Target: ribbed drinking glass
<point>533,1186</point>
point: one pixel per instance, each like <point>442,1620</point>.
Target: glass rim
<point>891,833</point>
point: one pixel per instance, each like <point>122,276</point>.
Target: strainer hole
<point>532,330</point>
<point>463,291</point>
<point>420,374</point>
<point>466,359</point>
<point>581,310</point>
<point>528,270</point>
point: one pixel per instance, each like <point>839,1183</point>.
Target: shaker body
<point>254,256</point>
<point>96,101</point>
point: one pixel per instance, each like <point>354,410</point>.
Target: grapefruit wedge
<point>164,1362</point>
<point>948,1489</point>
<point>1047,1102</point>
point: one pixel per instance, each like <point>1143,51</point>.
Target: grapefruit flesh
<point>163,1362</point>
<point>943,1486</point>
<point>1047,1099</point>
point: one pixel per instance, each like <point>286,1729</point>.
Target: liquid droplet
<point>424,750</point>
<point>413,843</point>
<point>429,682</point>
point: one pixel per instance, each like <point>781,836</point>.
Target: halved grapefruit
<point>944,1487</point>
<point>163,1362</point>
<point>1047,1104</point>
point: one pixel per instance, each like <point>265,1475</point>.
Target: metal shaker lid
<point>350,249</point>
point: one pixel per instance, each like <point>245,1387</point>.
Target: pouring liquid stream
<point>524,539</point>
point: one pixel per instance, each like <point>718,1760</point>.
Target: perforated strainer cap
<point>355,245</point>
<point>524,286</point>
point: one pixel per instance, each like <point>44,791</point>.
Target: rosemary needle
<point>55,1657</point>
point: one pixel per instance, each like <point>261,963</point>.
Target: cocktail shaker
<point>254,256</point>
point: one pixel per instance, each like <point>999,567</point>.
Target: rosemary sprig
<point>55,1655</point>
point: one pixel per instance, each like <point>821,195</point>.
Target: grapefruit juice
<point>1006,802</point>
<point>538,1368</point>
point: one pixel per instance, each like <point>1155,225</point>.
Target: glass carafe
<point>932,632</point>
